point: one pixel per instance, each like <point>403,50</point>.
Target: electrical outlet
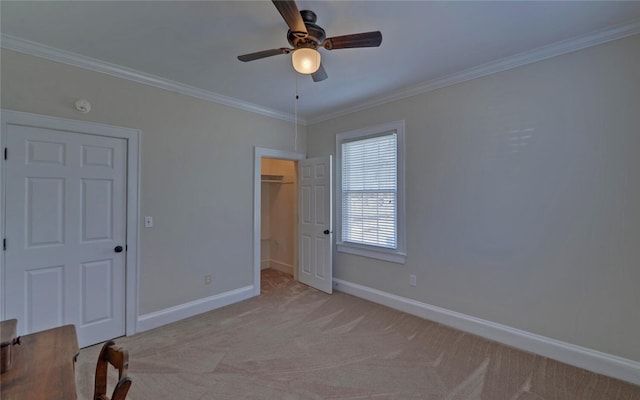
<point>412,280</point>
<point>207,279</point>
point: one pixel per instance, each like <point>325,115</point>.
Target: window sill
<point>392,256</point>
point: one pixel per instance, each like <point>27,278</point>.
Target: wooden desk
<point>43,367</point>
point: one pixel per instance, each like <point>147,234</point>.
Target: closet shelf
<point>270,181</point>
<point>273,179</point>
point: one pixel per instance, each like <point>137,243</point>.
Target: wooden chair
<point>119,359</point>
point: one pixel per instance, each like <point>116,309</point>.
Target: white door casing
<point>65,198</point>
<point>315,265</point>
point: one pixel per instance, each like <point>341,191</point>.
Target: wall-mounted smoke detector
<point>83,106</point>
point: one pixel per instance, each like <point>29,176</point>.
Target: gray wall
<point>523,198</point>
<point>196,171</point>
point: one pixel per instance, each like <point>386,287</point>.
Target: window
<point>370,191</point>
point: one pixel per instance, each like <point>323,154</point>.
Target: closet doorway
<point>278,215</point>
<point>275,214</point>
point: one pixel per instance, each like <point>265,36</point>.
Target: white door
<point>315,267</point>
<point>65,232</point>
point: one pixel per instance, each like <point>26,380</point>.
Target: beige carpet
<point>294,342</point>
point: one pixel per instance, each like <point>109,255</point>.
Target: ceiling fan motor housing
<point>315,36</point>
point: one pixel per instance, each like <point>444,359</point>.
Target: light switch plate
<point>148,222</point>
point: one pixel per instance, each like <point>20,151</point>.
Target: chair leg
<point>100,388</point>
<point>121,389</point>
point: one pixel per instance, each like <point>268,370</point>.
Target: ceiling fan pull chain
<point>295,119</point>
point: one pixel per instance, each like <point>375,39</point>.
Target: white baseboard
<point>280,266</point>
<point>173,314</point>
<point>582,357</point>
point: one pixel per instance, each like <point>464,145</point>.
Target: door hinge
<point>5,153</point>
<point>126,247</point>
<point>4,244</point>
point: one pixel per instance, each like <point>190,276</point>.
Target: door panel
<point>96,286</point>
<point>320,193</point>
<point>97,204</point>
<point>45,211</point>
<point>316,231</point>
<point>44,300</point>
<point>47,153</point>
<point>65,213</point>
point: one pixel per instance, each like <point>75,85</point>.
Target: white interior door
<point>315,266</point>
<point>65,218</point>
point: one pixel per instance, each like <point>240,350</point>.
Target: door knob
<point>326,232</point>
<point>118,249</point>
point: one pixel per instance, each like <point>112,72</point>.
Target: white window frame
<point>398,255</point>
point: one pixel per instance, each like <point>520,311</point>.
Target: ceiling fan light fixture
<point>306,60</point>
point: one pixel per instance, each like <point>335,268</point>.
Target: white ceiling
<point>196,43</point>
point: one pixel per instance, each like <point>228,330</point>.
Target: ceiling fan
<point>306,37</point>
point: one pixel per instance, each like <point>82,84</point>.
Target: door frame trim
<point>258,154</point>
<point>132,137</point>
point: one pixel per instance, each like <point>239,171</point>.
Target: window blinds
<point>369,191</point>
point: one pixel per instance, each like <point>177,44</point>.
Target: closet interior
<point>278,215</point>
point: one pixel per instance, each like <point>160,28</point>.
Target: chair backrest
<point>119,359</point>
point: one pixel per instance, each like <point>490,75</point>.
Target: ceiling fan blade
<point>289,11</point>
<point>320,74</point>
<point>263,54</point>
<point>366,39</point>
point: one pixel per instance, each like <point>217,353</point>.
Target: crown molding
<point>66,57</point>
<point>562,47</point>
<point>541,53</point>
